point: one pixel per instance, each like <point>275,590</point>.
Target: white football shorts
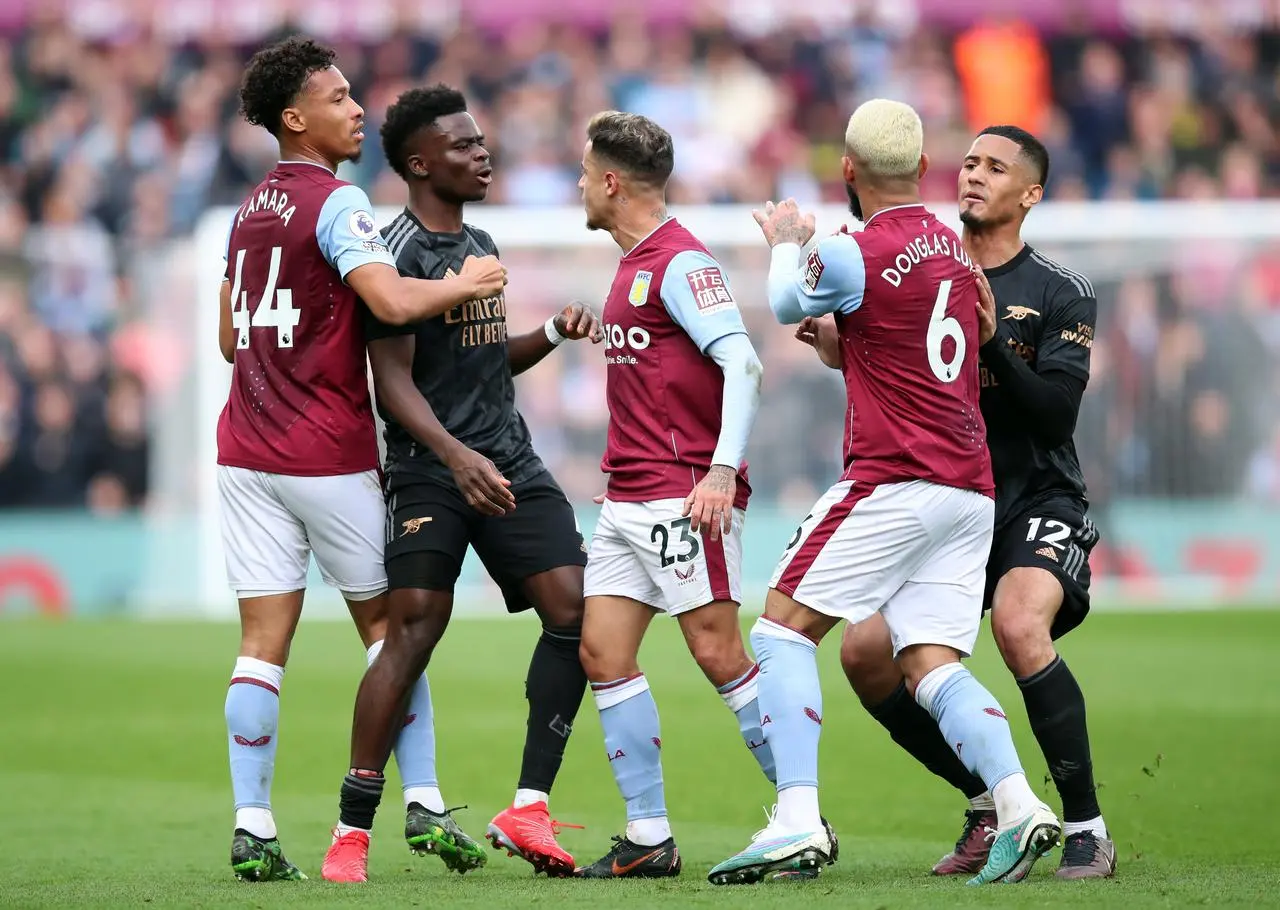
<point>916,551</point>
<point>646,552</point>
<point>272,523</point>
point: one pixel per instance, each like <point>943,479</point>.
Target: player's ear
<point>846,168</point>
<point>292,120</point>
<point>1032,194</point>
<point>416,166</point>
<point>924,166</point>
<point>612,183</point>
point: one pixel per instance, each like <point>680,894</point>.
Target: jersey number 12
<point>275,309</point>
<point>942,326</point>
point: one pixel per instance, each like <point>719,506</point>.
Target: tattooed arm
<point>831,279</point>
<point>785,223</point>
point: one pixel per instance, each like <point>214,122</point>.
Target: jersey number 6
<point>274,309</point>
<point>942,326</point>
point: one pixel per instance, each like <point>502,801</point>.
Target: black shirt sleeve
<point>1066,335</point>
<point>1048,402</point>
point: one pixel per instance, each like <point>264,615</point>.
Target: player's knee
<point>597,662</point>
<point>721,656</point>
<point>868,664</point>
<point>417,620</point>
<point>1023,639</point>
<point>558,598</point>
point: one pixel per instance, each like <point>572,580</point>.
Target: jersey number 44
<point>275,309</point>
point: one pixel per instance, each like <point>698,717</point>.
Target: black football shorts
<point>429,517</point>
<point>1053,534</point>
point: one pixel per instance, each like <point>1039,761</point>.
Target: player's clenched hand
<point>577,321</point>
<point>821,334</point>
<point>986,307</point>
<point>482,484</point>
<point>785,223</point>
<point>710,505</point>
<point>488,275</point>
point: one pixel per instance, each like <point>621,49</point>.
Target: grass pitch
<point>116,792</point>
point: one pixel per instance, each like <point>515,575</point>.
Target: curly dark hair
<point>415,109</point>
<point>275,77</point>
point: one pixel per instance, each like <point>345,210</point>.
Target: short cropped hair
<point>886,137</point>
<point>1029,147</point>
<point>635,144</point>
<point>416,108</point>
<point>275,77</point>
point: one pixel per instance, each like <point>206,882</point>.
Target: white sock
<point>257,821</point>
<point>983,803</point>
<point>427,797</point>
<point>798,809</point>
<point>341,829</point>
<point>1014,799</point>
<point>649,832</point>
<point>1096,825</point>
<point>529,797</point>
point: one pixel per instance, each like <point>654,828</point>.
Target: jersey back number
<point>942,327</point>
<point>273,310</point>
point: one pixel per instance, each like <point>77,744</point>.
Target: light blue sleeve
<point>831,280</point>
<point>226,247</point>
<point>737,359</point>
<point>697,295</point>
<point>346,231</point>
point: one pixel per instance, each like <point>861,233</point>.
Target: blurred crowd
<point>119,128</point>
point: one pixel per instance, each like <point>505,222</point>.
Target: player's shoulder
<point>674,239</point>
<point>1058,283</point>
<point>408,242</point>
<point>482,238</point>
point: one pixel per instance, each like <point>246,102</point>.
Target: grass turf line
<point>117,792</point>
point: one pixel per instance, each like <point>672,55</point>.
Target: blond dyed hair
<point>886,137</point>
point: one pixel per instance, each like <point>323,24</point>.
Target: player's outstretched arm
<point>832,278</point>
<point>226,331</point>
<point>396,300</point>
<point>481,484</point>
<point>574,322</point>
<point>348,238</point>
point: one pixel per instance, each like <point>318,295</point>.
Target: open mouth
<point>485,177</point>
<point>358,135</point>
<point>972,197</point>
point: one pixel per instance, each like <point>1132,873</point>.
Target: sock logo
<point>616,755</point>
<point>561,727</point>
<point>753,745</point>
<point>812,715</point>
<point>656,742</point>
<point>995,712</point>
<point>766,720</point>
<point>410,719</point>
<point>251,743</point>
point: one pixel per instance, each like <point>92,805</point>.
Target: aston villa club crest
<point>640,288</point>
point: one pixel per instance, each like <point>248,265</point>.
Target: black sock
<point>555,686</point>
<point>1055,708</point>
<point>915,730</point>
<point>361,794</point>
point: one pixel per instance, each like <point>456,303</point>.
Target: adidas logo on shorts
<point>1048,553</point>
